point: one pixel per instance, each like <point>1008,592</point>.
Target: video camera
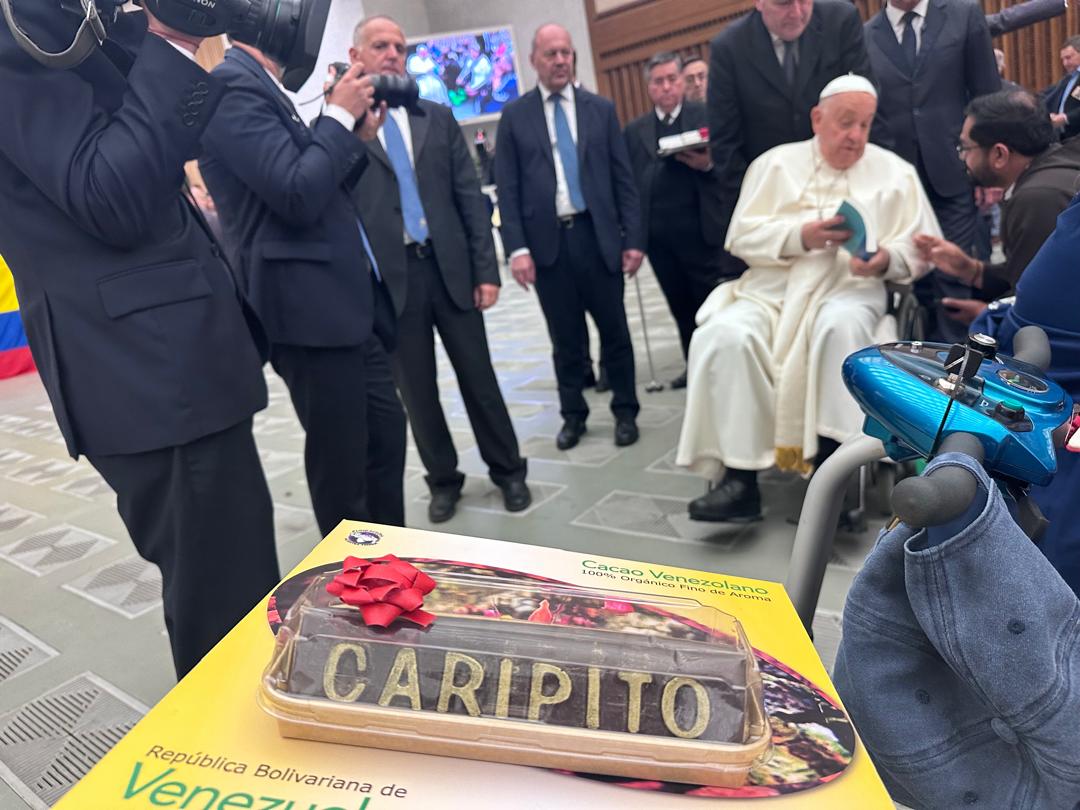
<point>288,31</point>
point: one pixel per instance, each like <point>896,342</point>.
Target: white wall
<point>525,16</point>
<point>344,15</point>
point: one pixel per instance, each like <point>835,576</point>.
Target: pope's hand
<point>523,269</point>
<point>824,234</point>
<point>874,267</point>
<point>631,261</point>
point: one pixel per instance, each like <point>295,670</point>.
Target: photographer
<point>132,317</point>
<point>282,191</point>
<point>436,253</point>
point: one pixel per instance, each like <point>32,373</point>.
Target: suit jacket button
<point>189,119</point>
<point>202,87</point>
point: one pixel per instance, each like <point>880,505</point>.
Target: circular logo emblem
<point>364,537</point>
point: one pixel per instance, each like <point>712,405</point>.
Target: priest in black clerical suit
<point>683,207</point>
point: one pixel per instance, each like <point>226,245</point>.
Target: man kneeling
<point>765,360</point>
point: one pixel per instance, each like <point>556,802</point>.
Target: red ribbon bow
<point>385,589</point>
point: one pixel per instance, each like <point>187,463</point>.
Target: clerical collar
<point>662,116</point>
<point>567,92</point>
<point>896,15</point>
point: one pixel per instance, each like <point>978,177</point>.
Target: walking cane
<point>652,386</point>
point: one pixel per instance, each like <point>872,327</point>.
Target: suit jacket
<point>282,192</point>
<point>457,215</point>
<point>132,317</point>
<point>925,107</point>
<point>641,138</point>
<point>525,172</point>
<point>1052,98</point>
<point>752,108</point>
<point>1022,15</point>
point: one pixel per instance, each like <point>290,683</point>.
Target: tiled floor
<point>82,645</point>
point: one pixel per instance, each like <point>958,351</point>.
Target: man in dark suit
<point>681,198</point>
<point>766,71</point>
<point>1021,15</point>
<point>132,317</point>
<point>931,57</point>
<point>571,224</point>
<point>1063,98</point>
<point>695,73</point>
<point>431,233</point>
<point>282,193</point>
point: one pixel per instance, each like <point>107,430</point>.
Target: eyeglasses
<point>962,150</point>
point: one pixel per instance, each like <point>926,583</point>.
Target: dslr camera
<point>396,91</point>
<point>288,31</point>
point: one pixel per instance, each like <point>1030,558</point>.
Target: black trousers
<point>354,452</point>
<point>429,307</point>
<point>201,512</point>
<point>959,219</point>
<point>577,282</point>
<point>687,271</point>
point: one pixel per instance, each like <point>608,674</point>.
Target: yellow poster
<point>209,745</point>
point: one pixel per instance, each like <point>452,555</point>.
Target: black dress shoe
<point>679,382</point>
<point>571,432</point>
<point>734,501</point>
<point>516,496</point>
<point>626,432</point>
<point>602,384</point>
<point>441,507</point>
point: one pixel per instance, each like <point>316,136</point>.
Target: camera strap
<point>90,35</point>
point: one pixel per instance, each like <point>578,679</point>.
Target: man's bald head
<point>379,43</point>
<point>842,122</point>
<point>552,56</point>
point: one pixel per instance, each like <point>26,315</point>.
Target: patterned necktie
<point>412,210</point>
<point>789,63</point>
<point>908,43</point>
<point>1068,90</point>
<point>564,142</point>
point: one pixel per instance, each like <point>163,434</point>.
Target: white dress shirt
<point>778,47</point>
<point>401,118</point>
<point>563,206</point>
<point>896,20</point>
<point>661,115</point>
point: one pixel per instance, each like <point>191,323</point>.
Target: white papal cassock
<point>765,360</point>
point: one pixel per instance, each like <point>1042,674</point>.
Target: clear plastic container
<point>528,673</point>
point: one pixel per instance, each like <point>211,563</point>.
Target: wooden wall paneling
<point>624,38</point>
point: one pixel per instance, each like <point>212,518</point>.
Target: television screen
<point>474,73</point>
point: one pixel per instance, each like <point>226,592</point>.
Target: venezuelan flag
<point>14,353</point>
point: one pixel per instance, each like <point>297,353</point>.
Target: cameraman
<point>131,314</point>
<point>282,193</point>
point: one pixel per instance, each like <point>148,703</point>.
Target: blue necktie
<point>564,142</point>
<point>1068,89</point>
<point>412,210</point>
<point>908,44</point>
<point>367,249</point>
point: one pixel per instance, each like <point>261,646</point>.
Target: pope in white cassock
<point>765,360</point>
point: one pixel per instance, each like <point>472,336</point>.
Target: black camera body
<point>396,91</point>
<point>288,31</point>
